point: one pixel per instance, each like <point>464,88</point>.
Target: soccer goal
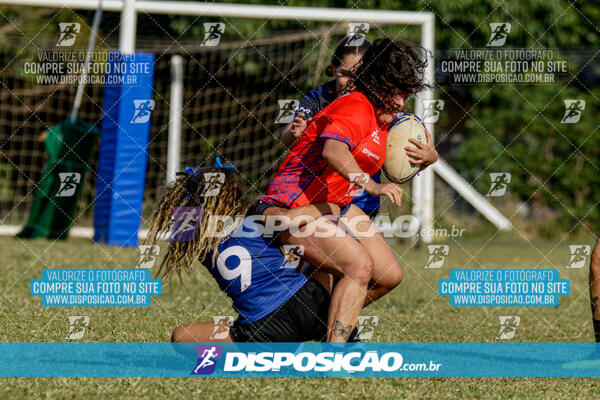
<point>221,97</point>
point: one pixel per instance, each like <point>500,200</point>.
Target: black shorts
<point>259,207</point>
<point>303,317</point>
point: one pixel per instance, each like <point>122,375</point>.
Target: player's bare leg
<point>185,336</point>
<point>595,289</point>
<point>352,262</point>
<point>200,332</point>
<point>339,254</point>
<point>387,272</point>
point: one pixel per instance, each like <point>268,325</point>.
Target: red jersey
<point>304,177</point>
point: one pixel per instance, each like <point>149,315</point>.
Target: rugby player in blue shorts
<point>275,302</point>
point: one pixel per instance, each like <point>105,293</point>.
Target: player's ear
<point>330,70</point>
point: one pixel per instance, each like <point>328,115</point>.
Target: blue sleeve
<point>316,100</point>
<point>309,105</point>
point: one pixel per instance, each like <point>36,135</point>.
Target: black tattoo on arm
<point>340,331</point>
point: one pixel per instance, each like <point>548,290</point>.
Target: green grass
<point>412,312</point>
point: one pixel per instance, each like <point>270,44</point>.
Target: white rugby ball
<point>397,166</point>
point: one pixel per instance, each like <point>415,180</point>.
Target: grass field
<point>413,312</point>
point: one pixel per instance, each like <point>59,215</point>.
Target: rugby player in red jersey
<point>343,145</point>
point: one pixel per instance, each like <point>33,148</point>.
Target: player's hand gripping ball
<point>398,167</point>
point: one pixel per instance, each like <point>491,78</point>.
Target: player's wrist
<point>371,186</point>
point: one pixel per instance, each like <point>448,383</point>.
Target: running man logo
<point>437,255</point>
<point>68,183</point>
<point>148,254</point>
<point>292,255</point>
<point>214,181</point>
<point>573,110</point>
<point>499,183</point>
<point>184,223</point>
<point>579,254</point>
<point>222,324</point>
<point>207,359</point>
<point>68,33</point>
<point>77,326</point>
<point>432,110</point>
<point>286,111</point>
<point>500,31</point>
<point>359,181</point>
<point>212,33</point>
<point>142,109</point>
<point>508,327</point>
<point>366,326</point>
<point>357,31</point>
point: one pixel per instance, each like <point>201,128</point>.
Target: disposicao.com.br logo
<point>307,363</point>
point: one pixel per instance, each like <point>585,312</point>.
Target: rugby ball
<point>397,166</point>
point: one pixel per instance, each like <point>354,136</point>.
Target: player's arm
<point>339,157</point>
<point>292,132</point>
<point>307,108</point>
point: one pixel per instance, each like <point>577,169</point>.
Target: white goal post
<point>423,185</point>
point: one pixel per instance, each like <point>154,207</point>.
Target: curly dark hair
<point>388,66</point>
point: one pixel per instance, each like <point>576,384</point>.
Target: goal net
<point>234,94</point>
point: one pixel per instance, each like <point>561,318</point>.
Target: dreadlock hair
<point>343,49</point>
<point>187,191</point>
<point>390,65</point>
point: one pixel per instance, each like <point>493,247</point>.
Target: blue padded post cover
<point>123,155</point>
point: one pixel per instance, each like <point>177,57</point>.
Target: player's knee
<point>388,275</point>
<point>361,270</point>
<point>396,275</point>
